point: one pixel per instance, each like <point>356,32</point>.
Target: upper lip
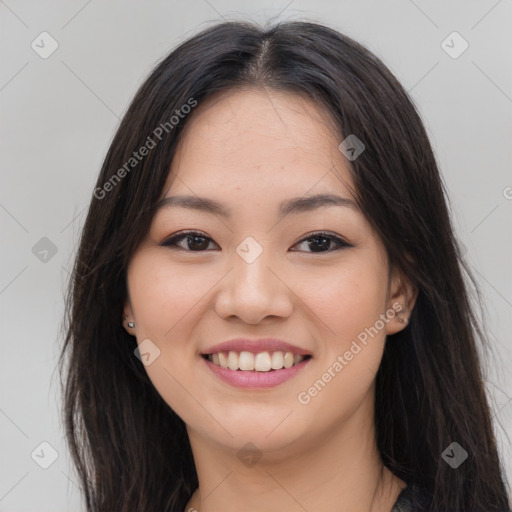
<point>256,346</point>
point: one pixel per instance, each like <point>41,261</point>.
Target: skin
<point>250,150</point>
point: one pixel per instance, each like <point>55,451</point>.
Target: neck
<point>340,470</point>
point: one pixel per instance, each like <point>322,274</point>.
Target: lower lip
<point>254,379</point>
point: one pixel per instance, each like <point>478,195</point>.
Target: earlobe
<point>402,299</point>
<point>127,321</point>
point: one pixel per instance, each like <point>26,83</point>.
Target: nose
<point>254,289</point>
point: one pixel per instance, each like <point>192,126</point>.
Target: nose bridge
<point>250,260</point>
<point>253,291</point>
<point>250,250</point>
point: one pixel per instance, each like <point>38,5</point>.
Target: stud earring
<point>401,320</point>
<point>131,325</point>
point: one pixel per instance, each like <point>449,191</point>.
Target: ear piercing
<point>131,325</point>
<point>402,320</point>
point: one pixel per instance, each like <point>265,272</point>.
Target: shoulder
<point>412,499</point>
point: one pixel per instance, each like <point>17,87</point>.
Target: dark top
<point>411,499</point>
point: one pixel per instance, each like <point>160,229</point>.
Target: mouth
<point>245,361</point>
<point>251,370</point>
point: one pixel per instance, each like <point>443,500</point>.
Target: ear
<point>128,317</point>
<point>401,300</point>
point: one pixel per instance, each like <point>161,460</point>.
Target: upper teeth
<point>261,362</point>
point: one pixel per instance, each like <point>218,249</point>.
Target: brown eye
<point>322,241</point>
<point>194,241</point>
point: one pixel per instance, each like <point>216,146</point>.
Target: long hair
<point>130,449</point>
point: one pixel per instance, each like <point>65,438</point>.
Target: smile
<point>261,370</point>
<point>260,362</point>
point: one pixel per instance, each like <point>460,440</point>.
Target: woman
<point>268,309</point>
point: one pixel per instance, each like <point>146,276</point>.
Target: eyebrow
<point>294,205</point>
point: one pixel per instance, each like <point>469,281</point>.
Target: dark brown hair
<point>130,449</point>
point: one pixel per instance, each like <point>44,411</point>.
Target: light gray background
<point>59,115</point>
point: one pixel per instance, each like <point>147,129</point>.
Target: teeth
<point>260,362</point>
<point>233,360</point>
<point>223,360</point>
<point>246,361</point>
<point>277,360</point>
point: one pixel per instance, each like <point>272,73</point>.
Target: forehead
<point>260,138</point>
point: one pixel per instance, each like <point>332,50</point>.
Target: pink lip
<point>254,379</point>
<point>255,346</point>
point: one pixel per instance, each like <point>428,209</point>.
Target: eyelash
<point>171,242</point>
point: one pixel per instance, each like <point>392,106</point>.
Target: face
<point>314,275</point>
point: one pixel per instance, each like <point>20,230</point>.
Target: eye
<point>322,241</point>
<point>195,241</point>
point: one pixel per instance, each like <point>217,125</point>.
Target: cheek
<point>346,300</point>
<point>354,299</point>
<point>166,300</point>
<point>163,296</point>
<point>352,348</point>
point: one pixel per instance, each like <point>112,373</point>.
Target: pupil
<point>201,246</point>
<point>325,242</point>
